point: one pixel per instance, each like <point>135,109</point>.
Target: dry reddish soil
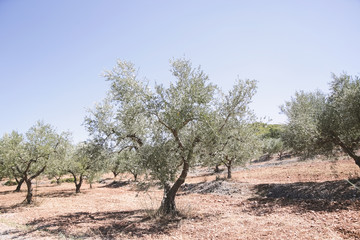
<point>275,199</point>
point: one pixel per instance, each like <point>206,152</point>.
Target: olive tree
<point>7,169</point>
<point>320,124</point>
<point>58,166</point>
<point>115,164</point>
<point>273,146</point>
<point>339,123</point>
<point>121,134</point>
<point>29,155</point>
<point>232,138</point>
<point>87,161</point>
<point>163,125</point>
<point>301,132</point>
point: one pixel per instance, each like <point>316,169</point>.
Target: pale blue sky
<point>52,53</point>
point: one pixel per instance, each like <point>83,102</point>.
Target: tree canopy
<point>165,125</point>
<point>320,124</point>
<point>27,156</point>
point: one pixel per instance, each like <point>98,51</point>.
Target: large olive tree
<point>164,125</point>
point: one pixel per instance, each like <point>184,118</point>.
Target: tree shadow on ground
<point>329,196</point>
<point>218,187</point>
<point>7,192</point>
<point>102,225</point>
<point>329,190</point>
<point>57,194</point>
<point>10,208</point>
<point>116,184</point>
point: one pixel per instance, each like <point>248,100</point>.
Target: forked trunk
<point>29,191</point>
<point>19,184</point>
<point>168,205</point>
<point>58,182</point>
<point>280,155</point>
<point>78,185</point>
<point>115,174</point>
<point>229,166</point>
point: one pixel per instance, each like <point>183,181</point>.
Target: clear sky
<point>52,53</point>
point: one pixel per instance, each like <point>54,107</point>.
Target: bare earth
<point>270,200</point>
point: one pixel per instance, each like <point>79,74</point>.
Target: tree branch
<point>38,173</point>
<point>136,138</point>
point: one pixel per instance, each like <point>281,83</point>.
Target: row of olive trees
<point>26,156</point>
<point>42,151</point>
<point>167,130</point>
<point>325,124</point>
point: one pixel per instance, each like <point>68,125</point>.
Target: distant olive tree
<point>339,122</point>
<point>87,160</point>
<point>115,165</point>
<point>58,166</point>
<point>301,133</point>
<point>126,161</point>
<point>8,170</point>
<point>28,155</point>
<point>232,138</point>
<point>320,124</point>
<point>273,146</point>
<point>163,125</point>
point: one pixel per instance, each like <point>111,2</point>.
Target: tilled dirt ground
<point>270,200</point>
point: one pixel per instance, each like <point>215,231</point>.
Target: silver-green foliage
<point>231,138</point>
<point>273,146</point>
<point>87,160</point>
<point>58,166</point>
<point>162,126</point>
<point>321,124</point>
<point>27,155</point>
<point>301,132</point>
<point>339,123</point>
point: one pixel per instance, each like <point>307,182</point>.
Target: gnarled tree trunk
<point>77,184</point>
<point>29,191</point>
<point>229,171</point>
<point>29,184</point>
<point>168,205</point>
<point>350,151</point>
<point>19,184</point>
<point>228,163</point>
<point>77,187</point>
